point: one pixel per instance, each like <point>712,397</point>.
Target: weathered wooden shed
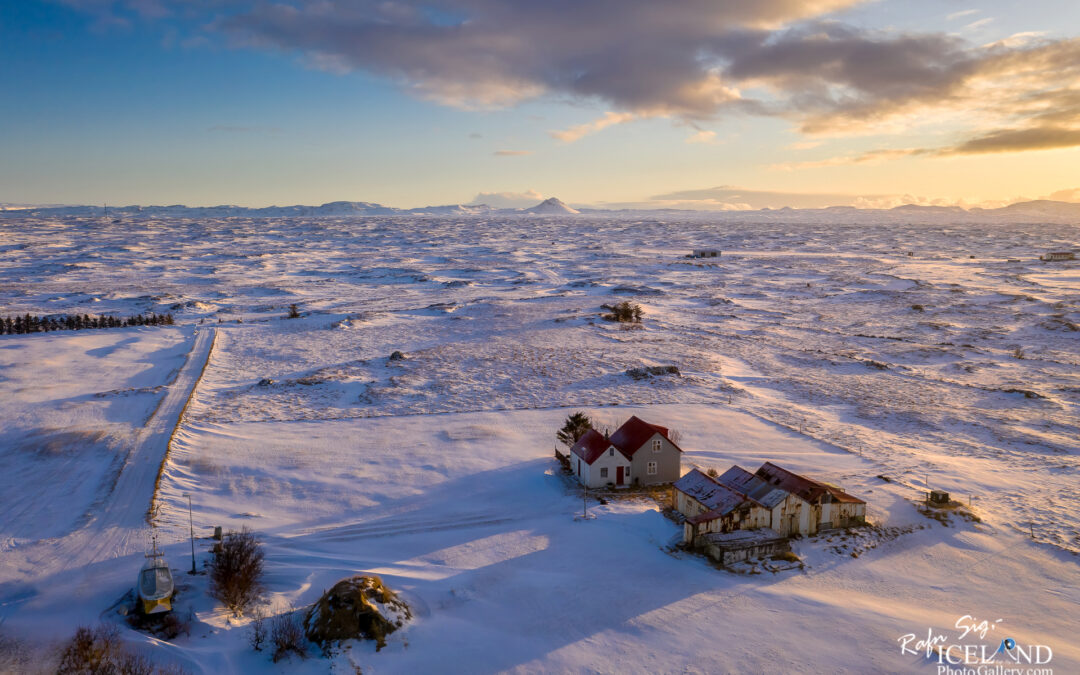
<point>829,506</point>
<point>742,545</point>
<point>789,513</point>
<point>711,508</point>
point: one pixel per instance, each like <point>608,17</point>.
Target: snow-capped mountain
<point>550,206</point>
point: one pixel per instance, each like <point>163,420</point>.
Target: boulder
<point>357,608</point>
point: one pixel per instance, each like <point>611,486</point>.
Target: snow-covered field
<point>824,347</point>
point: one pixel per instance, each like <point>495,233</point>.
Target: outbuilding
<point>829,505</point>
<point>1059,256</point>
<point>713,508</point>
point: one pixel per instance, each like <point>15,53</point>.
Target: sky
<point>706,104</point>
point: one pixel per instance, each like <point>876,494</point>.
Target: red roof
<point>591,446</point>
<point>635,433</point>
<point>810,490</point>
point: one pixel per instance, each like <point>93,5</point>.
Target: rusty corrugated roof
<point>758,489</point>
<point>803,487</point>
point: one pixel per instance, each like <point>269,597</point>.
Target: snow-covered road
<point>52,572</point>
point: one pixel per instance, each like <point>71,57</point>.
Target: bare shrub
<point>99,651</point>
<point>236,571</point>
<point>257,636</point>
<point>711,472</point>
<point>623,312</point>
<point>91,650</point>
<point>919,308</point>
<point>646,372</point>
<point>294,312</point>
<point>675,436</point>
<point>287,636</point>
<point>1018,353</point>
<point>172,626</point>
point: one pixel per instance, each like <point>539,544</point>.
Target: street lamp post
<point>191,525</point>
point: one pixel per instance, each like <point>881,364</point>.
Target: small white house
<point>638,453</point>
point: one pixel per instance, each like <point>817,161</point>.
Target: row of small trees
<point>29,323</point>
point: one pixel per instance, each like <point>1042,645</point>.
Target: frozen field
<point>824,347</point>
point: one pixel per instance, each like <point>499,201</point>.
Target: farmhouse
<point>638,453</point>
<point>773,499</point>
<point>706,253</point>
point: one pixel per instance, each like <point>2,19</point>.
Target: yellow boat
<point>155,584</point>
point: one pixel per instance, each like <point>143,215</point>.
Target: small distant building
<point>706,253</point>
<point>939,497</point>
<point>638,453</point>
<point>1058,256</point>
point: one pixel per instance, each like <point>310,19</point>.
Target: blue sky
<point>228,101</point>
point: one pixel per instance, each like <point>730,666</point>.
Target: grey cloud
<point>690,59</point>
<point>637,55</point>
<point>1017,140</point>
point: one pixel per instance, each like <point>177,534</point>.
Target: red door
<point>618,475</point>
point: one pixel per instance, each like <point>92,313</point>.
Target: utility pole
<point>585,504</point>
<point>191,526</point>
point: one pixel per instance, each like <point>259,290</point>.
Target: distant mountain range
<point>1032,211</point>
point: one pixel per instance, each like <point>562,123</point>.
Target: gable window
<point>611,452</point>
<point>603,472</point>
<point>651,470</point>
<point>657,445</point>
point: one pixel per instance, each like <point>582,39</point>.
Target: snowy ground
<point>823,347</point>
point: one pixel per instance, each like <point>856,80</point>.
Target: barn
<point>773,498</point>
<point>788,513</point>
<point>829,505</point>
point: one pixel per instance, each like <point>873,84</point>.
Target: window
<point>628,472</point>
<point>611,452</point>
<point>651,469</point>
<point>579,467</point>
<point>657,445</point>
<point>603,472</point>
